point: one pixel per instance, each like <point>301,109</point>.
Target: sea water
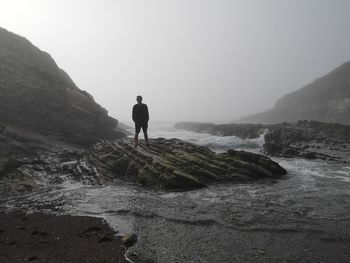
<point>213,223</point>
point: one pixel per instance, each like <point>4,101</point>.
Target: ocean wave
<point>216,143</point>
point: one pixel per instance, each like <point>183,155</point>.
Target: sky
<point>191,60</point>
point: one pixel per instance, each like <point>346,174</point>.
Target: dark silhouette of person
<point>140,117</point>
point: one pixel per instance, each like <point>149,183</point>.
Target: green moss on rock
<point>176,164</point>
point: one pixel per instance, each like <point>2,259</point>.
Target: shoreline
<point>41,237</point>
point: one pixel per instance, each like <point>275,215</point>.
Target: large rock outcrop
<point>37,95</point>
<point>166,164</point>
<point>327,99</point>
<point>176,164</point>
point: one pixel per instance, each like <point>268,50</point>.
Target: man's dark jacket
<point>140,113</point>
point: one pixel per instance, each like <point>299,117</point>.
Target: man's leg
<point>136,139</point>
<point>144,129</point>
<point>146,138</point>
<point>137,131</point>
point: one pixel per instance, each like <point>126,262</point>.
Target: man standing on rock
<point>140,116</point>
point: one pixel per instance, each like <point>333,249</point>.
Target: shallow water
<point>211,224</point>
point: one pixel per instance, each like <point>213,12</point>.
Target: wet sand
<point>48,238</point>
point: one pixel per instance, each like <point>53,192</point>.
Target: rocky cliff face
<point>37,95</point>
<point>327,99</point>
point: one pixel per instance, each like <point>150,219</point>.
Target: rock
<point>176,164</point>
<point>303,139</point>
<point>37,95</point>
<point>130,239</point>
<point>243,131</point>
<point>45,119</point>
<point>309,140</point>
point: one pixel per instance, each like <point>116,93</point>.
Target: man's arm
<point>147,114</point>
<point>133,113</point>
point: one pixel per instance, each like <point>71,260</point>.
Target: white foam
<point>316,169</point>
<point>214,142</point>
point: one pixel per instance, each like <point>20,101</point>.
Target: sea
<point>266,221</point>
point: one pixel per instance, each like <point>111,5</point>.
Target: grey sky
<point>200,60</point>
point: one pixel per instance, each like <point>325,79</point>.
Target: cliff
<point>35,94</point>
<point>327,99</point>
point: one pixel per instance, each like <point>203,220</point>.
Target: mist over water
<point>187,226</point>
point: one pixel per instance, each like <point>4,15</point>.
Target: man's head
<point>139,99</point>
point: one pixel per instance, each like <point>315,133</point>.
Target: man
<point>140,116</point>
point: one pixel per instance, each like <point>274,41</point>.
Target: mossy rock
<point>176,164</point>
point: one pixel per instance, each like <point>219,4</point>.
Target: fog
<point>199,60</point>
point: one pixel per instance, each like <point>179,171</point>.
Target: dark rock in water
<point>37,95</point>
<point>168,164</point>
<point>175,164</point>
<point>243,131</point>
<point>304,139</point>
<point>28,160</point>
<point>310,140</point>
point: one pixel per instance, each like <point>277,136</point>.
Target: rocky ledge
<point>176,164</point>
<point>303,139</point>
<point>310,140</point>
<point>167,164</point>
